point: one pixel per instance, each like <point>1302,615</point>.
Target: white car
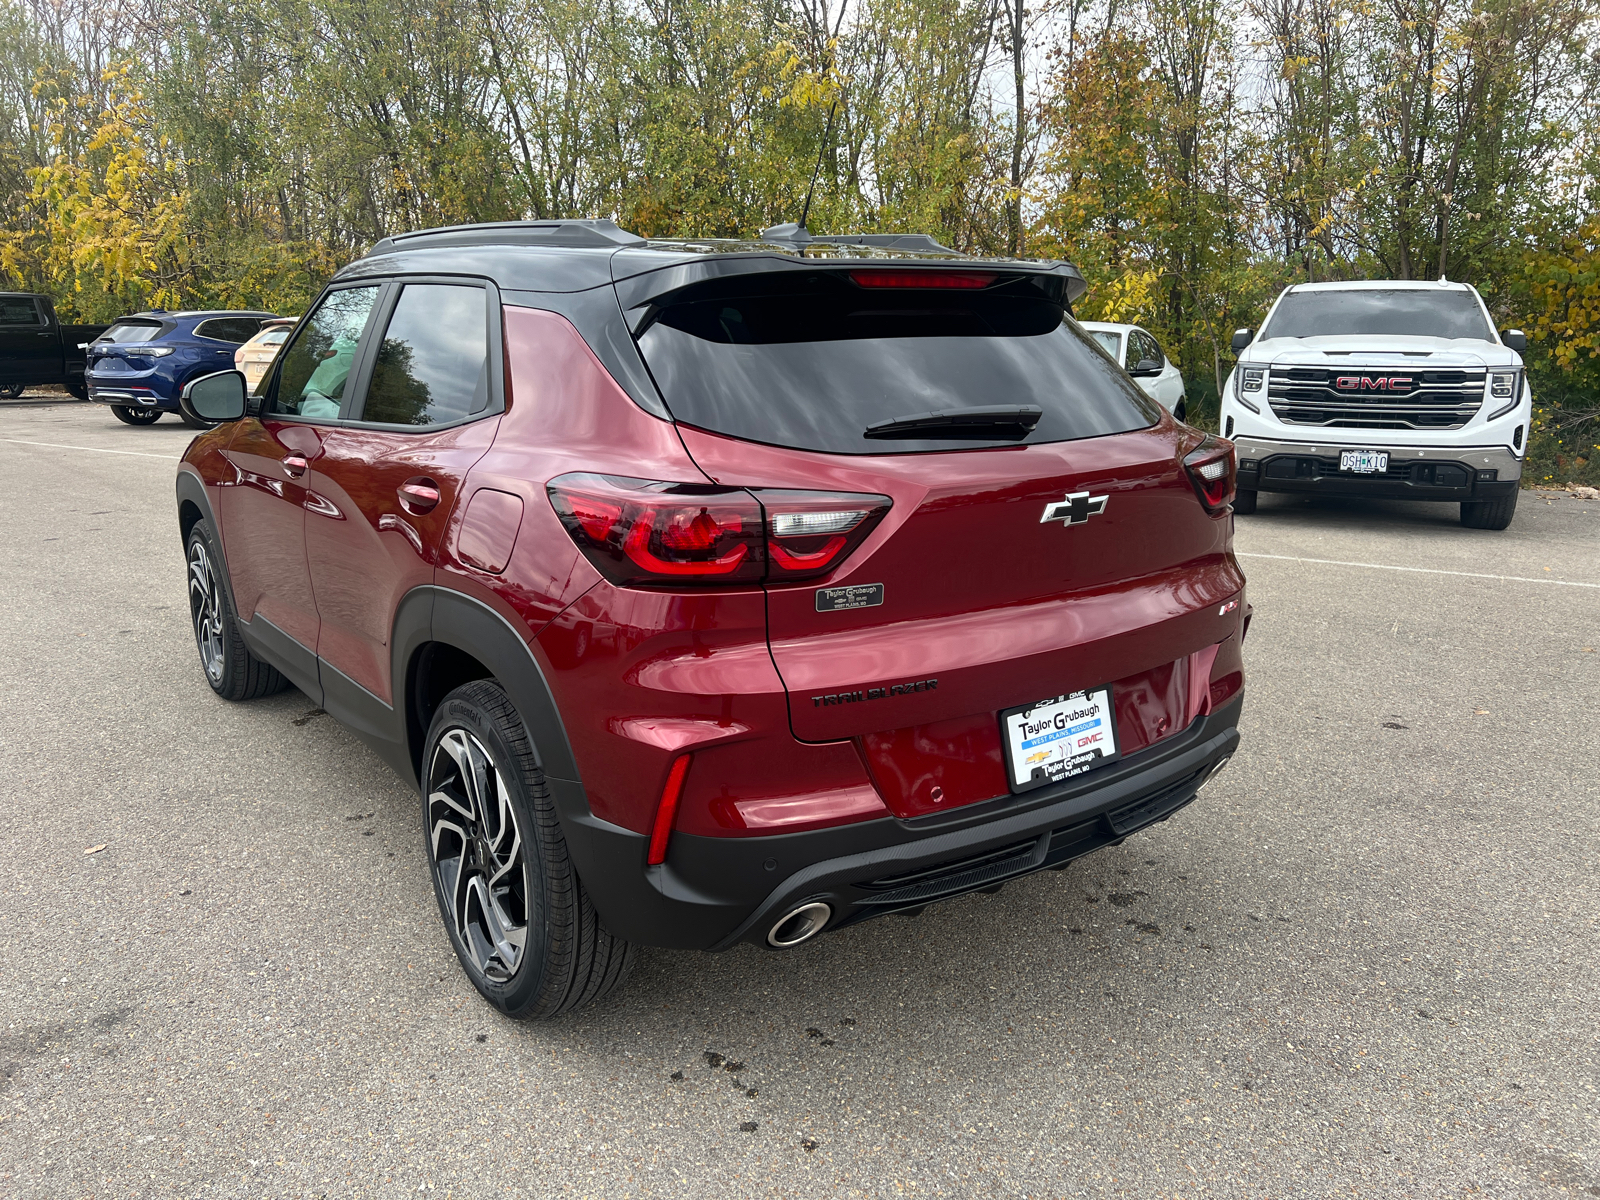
<point>1394,389</point>
<point>1137,352</point>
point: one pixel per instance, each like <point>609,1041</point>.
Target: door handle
<point>295,465</point>
<point>419,495</point>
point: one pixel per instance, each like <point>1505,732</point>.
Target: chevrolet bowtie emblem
<point>1076,509</point>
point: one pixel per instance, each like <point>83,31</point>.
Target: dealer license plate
<point>1364,462</point>
<point>1057,739</point>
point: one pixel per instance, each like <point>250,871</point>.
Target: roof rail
<point>801,236</point>
<point>597,234</point>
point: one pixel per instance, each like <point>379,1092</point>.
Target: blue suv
<point>140,365</point>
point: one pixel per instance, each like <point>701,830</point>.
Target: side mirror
<point>1242,338</point>
<point>1147,366</point>
<point>215,398</point>
<point>1515,339</point>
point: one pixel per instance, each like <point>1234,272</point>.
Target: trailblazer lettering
<point>876,693</point>
<point>1373,383</point>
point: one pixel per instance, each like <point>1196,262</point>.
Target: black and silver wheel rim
<point>205,606</point>
<point>478,854</point>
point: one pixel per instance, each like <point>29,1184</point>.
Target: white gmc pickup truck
<point>1392,389</point>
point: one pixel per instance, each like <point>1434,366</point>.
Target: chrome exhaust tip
<point>1217,769</point>
<point>801,925</point>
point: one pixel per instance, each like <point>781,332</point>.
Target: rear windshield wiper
<point>992,422</point>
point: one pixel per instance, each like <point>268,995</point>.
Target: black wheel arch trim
<point>609,859</point>
<point>192,490</point>
<point>432,614</point>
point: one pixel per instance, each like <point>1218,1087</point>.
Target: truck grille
<point>1393,397</point>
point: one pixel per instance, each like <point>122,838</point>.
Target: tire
<point>1489,514</point>
<point>136,416</point>
<point>516,912</point>
<point>231,670</point>
<point>1244,503</point>
<point>13,391</point>
<point>77,389</point>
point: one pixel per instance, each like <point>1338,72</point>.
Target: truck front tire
<point>1489,514</point>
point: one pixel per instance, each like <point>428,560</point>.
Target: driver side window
<point>316,365</point>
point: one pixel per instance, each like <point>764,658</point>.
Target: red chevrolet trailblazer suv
<point>719,591</point>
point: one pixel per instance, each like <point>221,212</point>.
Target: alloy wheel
<point>205,607</point>
<point>478,853</point>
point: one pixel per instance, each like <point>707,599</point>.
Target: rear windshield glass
<point>131,331</point>
<point>810,359</point>
<point>1410,312</point>
<point>1111,341</point>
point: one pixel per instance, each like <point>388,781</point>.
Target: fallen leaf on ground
<point>94,849</point>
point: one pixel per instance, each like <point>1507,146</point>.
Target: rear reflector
<point>1212,470</point>
<point>922,279</point>
<point>667,811</point>
<point>639,532</point>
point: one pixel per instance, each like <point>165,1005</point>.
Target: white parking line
<point>93,449</point>
<point>1337,562</point>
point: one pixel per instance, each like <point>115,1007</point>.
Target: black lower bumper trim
<point>713,892</point>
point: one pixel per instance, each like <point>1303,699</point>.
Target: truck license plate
<point>1364,462</point>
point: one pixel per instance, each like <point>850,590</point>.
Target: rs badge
<point>1076,509</point>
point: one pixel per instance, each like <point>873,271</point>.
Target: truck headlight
<point>1249,381</point>
<point>1505,390</point>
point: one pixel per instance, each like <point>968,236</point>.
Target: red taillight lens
<point>642,533</point>
<point>639,532</point>
<point>922,279</point>
<point>1212,470</point>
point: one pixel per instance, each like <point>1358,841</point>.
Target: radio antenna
<point>821,150</point>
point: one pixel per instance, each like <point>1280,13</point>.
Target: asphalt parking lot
<point>1364,964</point>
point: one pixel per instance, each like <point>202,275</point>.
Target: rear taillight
<point>636,531</point>
<point>1212,470</point>
<point>810,533</point>
<point>643,533</point>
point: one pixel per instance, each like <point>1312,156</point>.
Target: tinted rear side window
<point>19,310</point>
<point>433,364</point>
<point>237,330</point>
<point>810,359</point>
<point>1410,312</point>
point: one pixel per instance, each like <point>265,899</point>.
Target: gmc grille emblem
<point>1373,383</point>
<point>1075,509</point>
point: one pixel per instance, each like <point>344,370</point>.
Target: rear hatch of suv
<point>124,349</point>
<point>1042,535</point>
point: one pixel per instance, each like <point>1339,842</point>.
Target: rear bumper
<point>133,389</point>
<point>131,398</point>
<point>1415,472</point>
<point>713,893</point>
